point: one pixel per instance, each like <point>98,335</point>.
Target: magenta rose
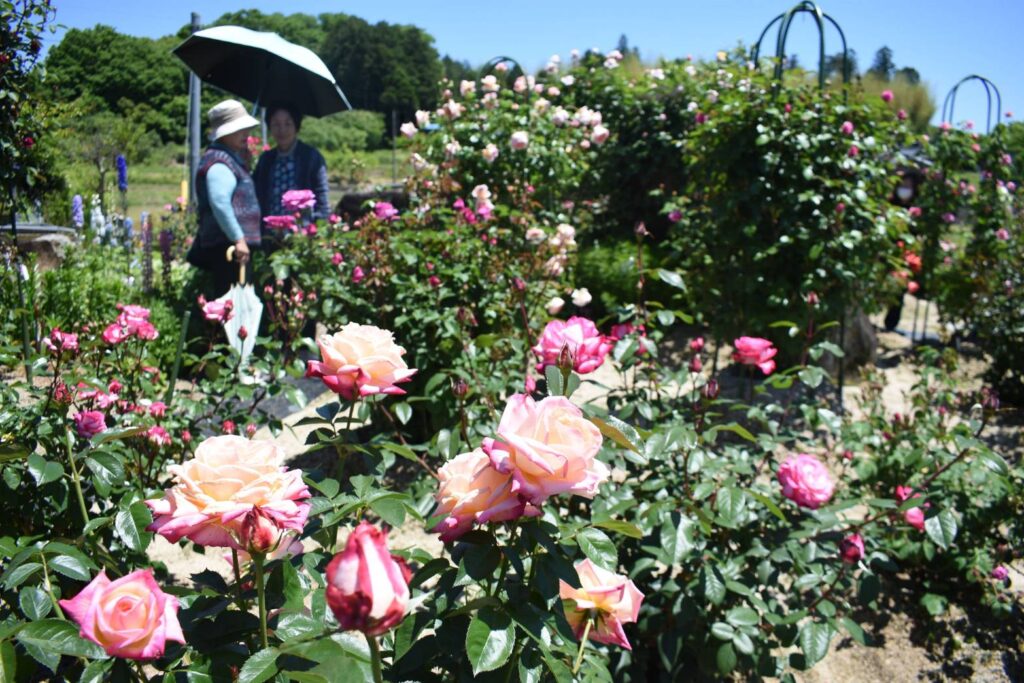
<point>286,222</point>
<point>805,481</point>
<point>297,200</point>
<point>587,345</point>
<point>851,548</point>
<point>89,423</point>
<point>755,351</point>
<point>385,211</point>
<point>129,617</point>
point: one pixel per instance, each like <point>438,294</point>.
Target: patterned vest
<point>243,200</point>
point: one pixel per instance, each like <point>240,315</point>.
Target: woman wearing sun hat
<point>229,211</point>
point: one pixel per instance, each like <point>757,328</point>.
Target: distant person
<point>904,194</point>
<point>229,211</point>
<point>291,165</point>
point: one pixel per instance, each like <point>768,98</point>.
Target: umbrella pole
<point>194,91</point>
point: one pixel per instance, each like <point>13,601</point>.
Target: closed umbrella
<point>263,67</point>
<point>247,310</point>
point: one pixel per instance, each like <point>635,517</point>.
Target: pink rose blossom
<point>157,409</point>
<point>472,491</point>
<point>675,215</point>
<point>158,436</point>
<point>610,599</point>
<point>229,477</point>
<point>913,516</point>
<point>1002,234</point>
<point>519,140</point>
<point>130,617</point>
<point>385,211</point>
<point>887,95</point>
<point>846,128</point>
<point>902,114</point>
<point>490,152</point>
<point>697,344</point>
<point>1000,573</point>
<point>338,258</point>
<point>408,129</point>
<point>755,351</point>
<point>600,134</point>
<point>806,481</point>
<point>358,275</point>
<point>360,360</point>
<point>853,151</point>
<point>588,346</point>
<point>286,222</point>
<point>367,586</point>
<point>914,211</point>
<point>218,310</point>
<point>297,200</point>
<point>61,342</point>
<point>89,423</point>
<point>548,447</point>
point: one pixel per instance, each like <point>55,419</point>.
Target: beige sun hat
<point>229,117</point>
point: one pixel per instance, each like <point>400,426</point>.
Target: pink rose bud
<point>711,390</point>
<point>130,617</point>
<point>358,275</point>
<point>186,436</point>
<point>846,128</point>
<point>157,409</point>
<point>913,287</point>
<point>887,96</point>
<point>228,427</point>
<point>115,387</point>
<point>609,599</point>
<point>1000,573</point>
<point>243,333</point>
<point>914,211</point>
<point>250,430</point>
<point>902,114</point>
<point>640,230</point>
<point>697,344</point>
<point>587,346</point>
<point>434,281</point>
<point>89,423</point>
<point>853,151</point>
<point>848,455</point>
<point>812,298</point>
<point>367,586</point>
<point>565,358</point>
<point>840,207</point>
<point>259,532</point>
<point>675,216</point>
<point>851,548</point>
<point>158,436</point>
<point>337,258</point>
<point>788,108</point>
<point>695,364</point>
<point>755,351</point>
<point>806,481</point>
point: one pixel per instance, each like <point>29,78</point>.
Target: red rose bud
<point>228,427</point>
<point>711,390</point>
<point>186,436</point>
<point>695,364</point>
<point>459,387</point>
<point>519,284</point>
<point>242,332</point>
<point>367,586</point>
<point>848,455</point>
<point>851,548</point>
<point>812,298</point>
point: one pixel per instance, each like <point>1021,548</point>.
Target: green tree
<point>883,66</point>
<point>97,139</point>
<point>126,75</point>
<point>834,65</point>
<point>455,70</point>
<point>909,74</point>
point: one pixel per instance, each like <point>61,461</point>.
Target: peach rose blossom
<point>611,599</point>
<point>805,480</point>
<point>216,492</point>
<point>548,447</point>
<point>360,360</point>
<point>472,492</point>
<point>129,617</point>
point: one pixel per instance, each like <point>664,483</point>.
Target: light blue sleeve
<point>220,185</point>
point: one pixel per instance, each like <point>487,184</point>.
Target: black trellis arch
<point>514,72</point>
<point>949,104</point>
<point>785,21</point>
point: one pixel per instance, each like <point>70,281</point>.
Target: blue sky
<point>942,39</point>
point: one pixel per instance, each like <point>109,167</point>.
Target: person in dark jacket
<point>291,165</point>
<point>229,212</point>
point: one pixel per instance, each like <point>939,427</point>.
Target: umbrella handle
<point>230,254</point>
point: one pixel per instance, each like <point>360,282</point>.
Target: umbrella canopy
<point>263,67</point>
<point>247,309</point>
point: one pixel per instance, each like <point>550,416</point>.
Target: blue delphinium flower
<point>77,212</point>
<point>122,173</point>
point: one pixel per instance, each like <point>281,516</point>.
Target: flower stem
<point>49,587</point>
<point>378,677</point>
<point>583,646</point>
<point>76,481</point>
<point>238,580</point>
<point>257,563</point>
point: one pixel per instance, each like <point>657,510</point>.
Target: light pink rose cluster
<point>610,599</point>
<point>133,321</point>
<point>218,310</point>
<point>806,481</point>
<point>367,586</point>
<point>130,617</point>
<point>755,351</point>
<point>218,492</point>
<point>360,360</point>
<point>297,200</point>
<point>588,346</point>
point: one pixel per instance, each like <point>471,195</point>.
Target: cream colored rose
<point>360,360</point>
<point>228,478</point>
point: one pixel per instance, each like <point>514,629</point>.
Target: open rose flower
<point>805,481</point>
<point>472,492</point>
<point>755,351</point>
<point>548,447</point>
<point>129,617</point>
<point>519,140</point>
<point>61,342</point>
<point>588,346</point>
<point>229,477</point>
<point>297,200</point>
<point>217,311</point>
<point>367,586</point>
<point>89,423</point>
<point>609,599</point>
<point>385,211</point>
<point>286,222</point>
<point>360,360</point>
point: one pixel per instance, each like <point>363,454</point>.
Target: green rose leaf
<point>489,640</point>
<point>596,545</point>
<point>942,528</point>
<point>262,666</point>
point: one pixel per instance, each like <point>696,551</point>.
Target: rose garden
<point>583,403</point>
